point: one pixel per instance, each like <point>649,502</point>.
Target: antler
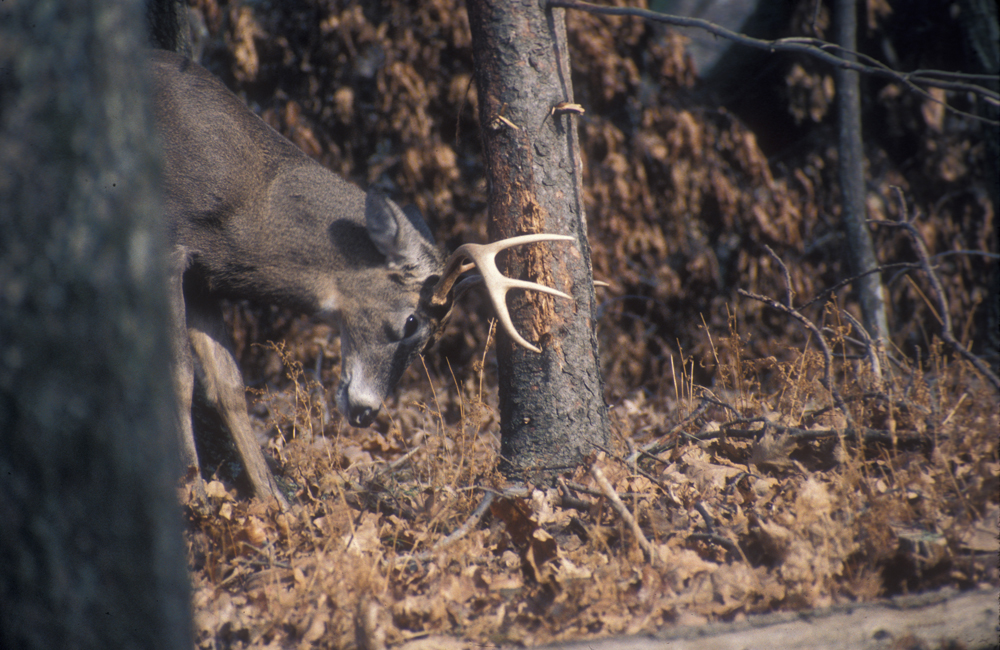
<point>497,284</point>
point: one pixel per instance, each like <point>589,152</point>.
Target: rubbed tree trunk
<point>91,554</point>
<point>552,408</point>
<point>851,157</point>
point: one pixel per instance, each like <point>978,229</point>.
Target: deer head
<point>383,332</point>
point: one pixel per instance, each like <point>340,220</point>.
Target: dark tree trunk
<point>91,554</point>
<point>551,404</point>
<point>851,155</point>
<point>980,22</point>
<point>169,27</point>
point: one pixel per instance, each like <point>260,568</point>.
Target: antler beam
<point>483,257</point>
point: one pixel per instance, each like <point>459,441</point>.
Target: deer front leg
<point>225,391</point>
<point>183,370</point>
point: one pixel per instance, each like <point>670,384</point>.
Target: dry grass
<point>751,500</point>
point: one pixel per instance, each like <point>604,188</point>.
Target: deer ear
<point>402,237</point>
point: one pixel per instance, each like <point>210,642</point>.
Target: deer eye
<point>411,326</point>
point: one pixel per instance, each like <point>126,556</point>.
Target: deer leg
<point>225,391</point>
<point>183,370</point>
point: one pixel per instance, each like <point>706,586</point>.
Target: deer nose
<point>356,400</point>
<point>362,416</point>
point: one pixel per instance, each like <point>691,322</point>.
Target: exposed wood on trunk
<point>551,404</point>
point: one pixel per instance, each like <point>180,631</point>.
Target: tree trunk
<point>851,158</point>
<point>169,26</point>
<point>91,554</point>
<point>552,411</point>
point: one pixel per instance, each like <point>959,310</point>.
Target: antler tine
<point>497,284</point>
<point>453,268</point>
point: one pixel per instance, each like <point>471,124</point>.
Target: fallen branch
<point>866,435</point>
<point>467,527</point>
<point>616,503</point>
<point>661,444</point>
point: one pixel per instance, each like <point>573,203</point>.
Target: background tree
<point>552,410</point>
<point>169,26</point>
<point>851,161</point>
<point>90,545</point>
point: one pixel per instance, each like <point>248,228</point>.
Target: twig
<point>938,289</point>
<point>714,538</point>
<point>663,485</point>
<point>819,49</point>
<point>395,464</point>
<point>709,519</point>
<point>470,523</point>
<point>905,266</point>
<point>871,348</point>
<point>569,500</point>
<point>460,532</point>
<point>827,379</point>
<point>789,293</point>
<point>661,444</point>
<point>864,435</point>
<point>580,487</point>
<point>973,253</point>
<point>713,399</point>
<point>623,512</point>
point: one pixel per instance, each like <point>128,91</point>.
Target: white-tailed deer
<point>250,216</point>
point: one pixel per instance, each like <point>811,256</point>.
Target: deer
<point>250,216</point>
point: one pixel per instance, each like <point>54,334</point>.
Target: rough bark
<point>851,160</point>
<point>551,404</point>
<point>91,554</point>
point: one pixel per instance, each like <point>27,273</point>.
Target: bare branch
<point>938,289</point>
<point>827,379</point>
<point>609,492</point>
<point>789,292</point>
<point>871,348</point>
<point>863,434</point>
<point>904,266</point>
<point>663,442</point>
<point>470,523</point>
<point>819,49</point>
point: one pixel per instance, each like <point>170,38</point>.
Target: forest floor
<point>710,505</point>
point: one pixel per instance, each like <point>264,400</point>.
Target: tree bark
<point>91,554</point>
<point>851,160</point>
<point>552,408</point>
